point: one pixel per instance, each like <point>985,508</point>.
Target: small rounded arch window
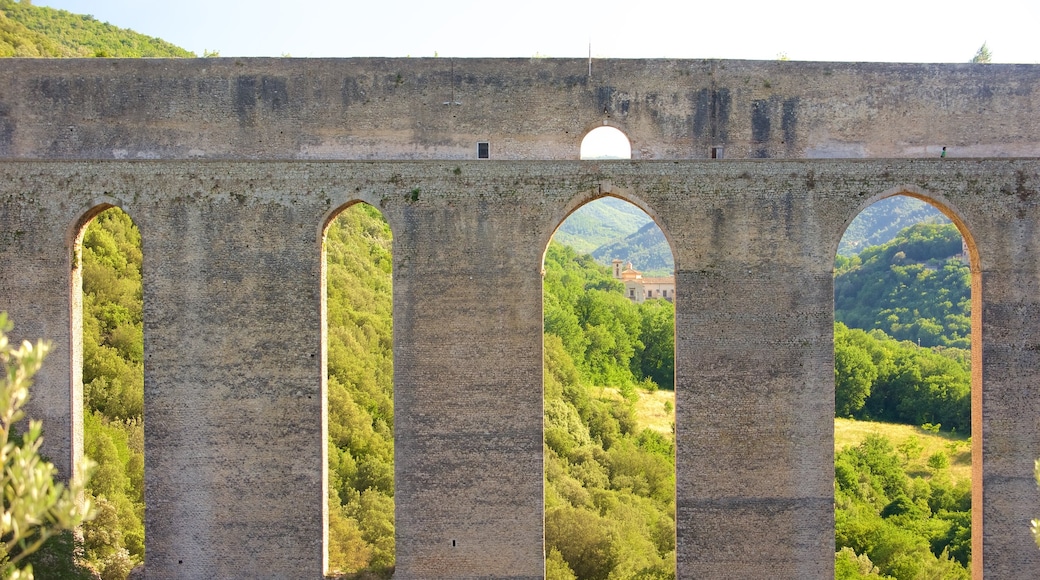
<point>606,143</point>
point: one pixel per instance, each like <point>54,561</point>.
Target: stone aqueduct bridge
<point>232,168</point>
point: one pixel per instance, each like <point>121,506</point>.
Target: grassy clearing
<point>657,411</point>
<point>957,447</point>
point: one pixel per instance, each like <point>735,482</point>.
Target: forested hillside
<point>360,392</point>
<point>599,222</point>
<point>609,228</point>
<point>113,394</point>
<point>609,485</point>
<point>902,355</point>
<point>647,249</point>
<point>39,31</point>
<point>912,287</point>
<point>882,220</point>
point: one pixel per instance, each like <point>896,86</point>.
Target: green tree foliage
<point>983,56</point>
<point>611,340</point>
<point>609,486</point>
<point>882,379</point>
<point>1035,524</point>
<point>911,287</point>
<point>849,566</point>
<point>889,524</point>
<point>35,508</point>
<point>360,392</point>
<point>39,31</point>
<point>113,392</point>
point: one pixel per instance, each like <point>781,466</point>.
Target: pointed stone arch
<point>334,554</point>
<point>123,419</point>
<point>573,517</point>
<point>949,210</point>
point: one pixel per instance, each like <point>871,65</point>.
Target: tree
<point>983,56</point>
<point>1036,523</point>
<point>854,373</point>
<point>34,506</point>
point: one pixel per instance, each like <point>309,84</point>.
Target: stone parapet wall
<point>439,108</point>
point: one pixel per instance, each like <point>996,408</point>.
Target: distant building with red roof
<point>639,288</point>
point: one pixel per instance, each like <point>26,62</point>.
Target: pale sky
<point>828,30</point>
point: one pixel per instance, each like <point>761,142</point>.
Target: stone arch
<point>121,420</point>
<point>606,141</point>
<point>606,189</point>
<point>328,221</point>
<point>948,209</point>
<point>935,200</point>
<point>74,241</point>
<point>563,511</point>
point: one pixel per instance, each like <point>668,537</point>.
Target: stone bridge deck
<point>234,347</point>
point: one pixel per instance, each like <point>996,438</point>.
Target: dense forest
<point>891,524</point>
<point>602,221</point>
<point>360,392</point>
<point>902,355</point>
<point>914,287</point>
<point>609,484</point>
<point>612,341</point>
<point>39,31</point>
<point>879,378</point>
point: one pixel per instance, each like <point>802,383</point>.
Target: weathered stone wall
<point>525,108</point>
<point>233,348</point>
<point>233,181</point>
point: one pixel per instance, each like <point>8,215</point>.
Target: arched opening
<point>108,354</point>
<point>907,393</point>
<point>605,142</point>
<point>358,407</point>
<point>609,400</point>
